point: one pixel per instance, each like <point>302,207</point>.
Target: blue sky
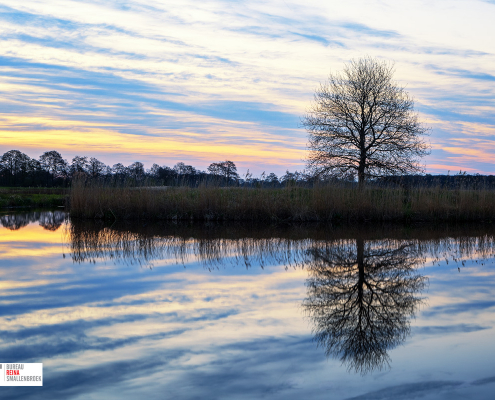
<point>201,82</point>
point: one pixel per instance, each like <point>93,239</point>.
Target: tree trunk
<point>361,176</point>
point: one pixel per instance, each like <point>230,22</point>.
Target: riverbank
<point>13,197</point>
<point>329,203</point>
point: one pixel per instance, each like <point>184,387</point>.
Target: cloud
<point>421,389</point>
<point>71,384</point>
<point>484,381</point>
<point>226,375</point>
<point>227,65</point>
<point>472,306</point>
<point>368,31</point>
<point>409,390</point>
<point>462,73</point>
<point>448,329</point>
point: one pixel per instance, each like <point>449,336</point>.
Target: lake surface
<point>125,311</point>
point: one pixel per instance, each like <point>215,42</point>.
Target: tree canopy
<point>362,124</point>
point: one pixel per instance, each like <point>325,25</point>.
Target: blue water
<point>129,311</point>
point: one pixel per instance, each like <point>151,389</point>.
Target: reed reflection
<point>361,296</point>
<point>363,287</point>
<point>212,246</point>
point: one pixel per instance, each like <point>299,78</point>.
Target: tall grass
<point>326,203</point>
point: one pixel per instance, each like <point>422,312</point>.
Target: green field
<point>32,197</point>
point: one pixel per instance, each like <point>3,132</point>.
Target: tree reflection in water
<point>52,220</point>
<point>49,220</point>
<point>15,222</point>
<point>363,288</point>
<point>361,296</point>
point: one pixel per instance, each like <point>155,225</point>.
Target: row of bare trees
<point>51,169</point>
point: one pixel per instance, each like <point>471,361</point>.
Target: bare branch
<point>362,121</point>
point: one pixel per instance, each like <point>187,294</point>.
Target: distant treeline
<point>458,181</point>
<point>52,170</point>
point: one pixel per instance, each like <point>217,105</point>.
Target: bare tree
<point>79,164</point>
<point>182,169</point>
<point>362,123</point>
<point>52,162</point>
<point>95,167</point>
<point>119,169</point>
<point>136,169</point>
<point>227,169</point>
<point>14,162</point>
<point>272,179</point>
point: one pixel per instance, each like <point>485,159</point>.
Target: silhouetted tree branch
<point>362,124</point>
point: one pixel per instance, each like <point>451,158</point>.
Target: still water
<point>125,311</point>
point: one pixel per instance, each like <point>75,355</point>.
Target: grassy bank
<point>32,197</point>
<point>288,204</point>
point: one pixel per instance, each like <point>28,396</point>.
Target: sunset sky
<point>203,81</point>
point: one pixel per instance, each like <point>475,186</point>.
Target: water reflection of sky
<point>107,329</point>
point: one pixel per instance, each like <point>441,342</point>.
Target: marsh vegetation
<point>32,197</point>
<point>290,204</point>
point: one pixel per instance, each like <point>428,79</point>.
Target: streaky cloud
<point>484,381</point>
<point>80,342</point>
<point>408,390</point>
<point>70,384</point>
<point>120,89</point>
<point>367,30</point>
<point>464,74</point>
<point>459,308</point>
<point>444,330</point>
<point>320,39</point>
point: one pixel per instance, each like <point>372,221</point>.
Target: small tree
<point>53,163</point>
<point>227,169</point>
<point>119,169</point>
<point>272,179</point>
<point>79,164</point>
<point>362,124</point>
<point>155,170</point>
<point>136,170</point>
<point>95,167</point>
<point>182,169</point>
<point>14,163</point>
<point>289,179</point>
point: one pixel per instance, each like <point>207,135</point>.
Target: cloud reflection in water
<point>221,327</point>
<point>361,293</point>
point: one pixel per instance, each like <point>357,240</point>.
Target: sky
<point>200,82</point>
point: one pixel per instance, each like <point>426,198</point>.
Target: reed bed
<point>293,204</point>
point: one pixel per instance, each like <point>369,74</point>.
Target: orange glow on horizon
<point>92,141</point>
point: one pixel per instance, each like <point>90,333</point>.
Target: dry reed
<point>326,203</point>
